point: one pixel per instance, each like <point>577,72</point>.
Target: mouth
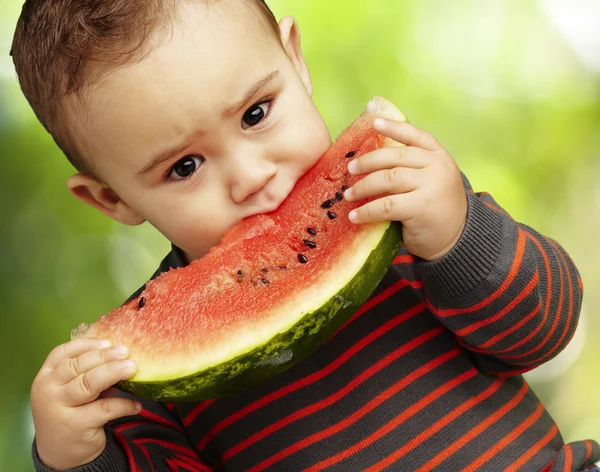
<point>272,201</point>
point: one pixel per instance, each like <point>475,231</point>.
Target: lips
<point>273,202</point>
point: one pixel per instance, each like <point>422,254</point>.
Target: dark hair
<point>56,41</point>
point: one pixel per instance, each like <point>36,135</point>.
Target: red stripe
<point>169,445</point>
<point>568,458</point>
<point>331,399</point>
<point>315,376</point>
<point>132,464</point>
<point>146,454</point>
<point>404,259</point>
<point>154,418</point>
<point>544,319</point>
<point>192,464</point>
<point>548,299</point>
<point>397,421</point>
<point>525,292</point>
<point>199,408</point>
<point>372,404</point>
<point>160,419</point>
<point>560,314</point>
<point>546,310</point>
<point>556,320</point>
<point>517,344</point>
<point>509,438</point>
<point>175,464</point>
<point>376,300</point>
<point>588,448</point>
<point>500,336</point>
<point>514,270</point>
<point>491,205</point>
<point>467,437</point>
<point>124,426</point>
<point>438,425</point>
<point>548,466</point>
<point>532,451</point>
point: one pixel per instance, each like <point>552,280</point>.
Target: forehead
<point>208,58</point>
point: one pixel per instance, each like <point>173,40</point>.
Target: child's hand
<point>420,185</point>
<point>67,413</point>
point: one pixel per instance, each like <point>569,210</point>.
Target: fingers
<point>385,182</point>
<point>73,367</point>
<point>407,134</point>
<point>73,349</point>
<point>387,157</point>
<point>400,207</point>
<point>103,410</point>
<point>89,385</point>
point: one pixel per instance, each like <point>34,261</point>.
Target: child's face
<point>232,158</point>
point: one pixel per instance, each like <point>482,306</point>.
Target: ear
<point>89,190</point>
<point>290,38</point>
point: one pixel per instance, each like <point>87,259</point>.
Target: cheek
<point>306,140</point>
<point>190,223</point>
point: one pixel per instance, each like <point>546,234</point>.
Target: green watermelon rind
<point>284,350</point>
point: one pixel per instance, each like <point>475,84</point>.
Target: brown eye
<point>256,114</point>
<point>185,167</point>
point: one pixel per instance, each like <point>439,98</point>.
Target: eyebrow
<point>167,154</point>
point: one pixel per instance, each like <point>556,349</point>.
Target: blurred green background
<point>510,87</point>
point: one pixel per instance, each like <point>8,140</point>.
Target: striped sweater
<point>425,376</point>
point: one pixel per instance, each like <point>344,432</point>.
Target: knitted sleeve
<point>510,295</point>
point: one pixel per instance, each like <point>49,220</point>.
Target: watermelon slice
<point>276,287</point>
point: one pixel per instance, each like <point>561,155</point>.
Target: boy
<point>194,115</point>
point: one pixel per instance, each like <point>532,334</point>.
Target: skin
<point>242,163</point>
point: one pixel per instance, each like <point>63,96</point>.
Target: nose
<point>248,176</point>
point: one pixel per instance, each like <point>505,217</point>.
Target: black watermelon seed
<point>344,188</point>
<point>309,243</point>
<point>331,215</point>
<point>142,303</point>
<point>240,274</point>
<point>311,231</point>
<point>339,196</point>
<point>351,154</point>
<point>264,270</point>
<point>283,267</point>
<point>328,203</point>
<point>264,281</point>
<point>302,258</point>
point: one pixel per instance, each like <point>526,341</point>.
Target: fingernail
<point>105,343</point>
<point>353,215</point>
<point>138,406</point>
<point>353,166</point>
<point>379,123</point>
<point>128,365</point>
<point>348,194</point>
